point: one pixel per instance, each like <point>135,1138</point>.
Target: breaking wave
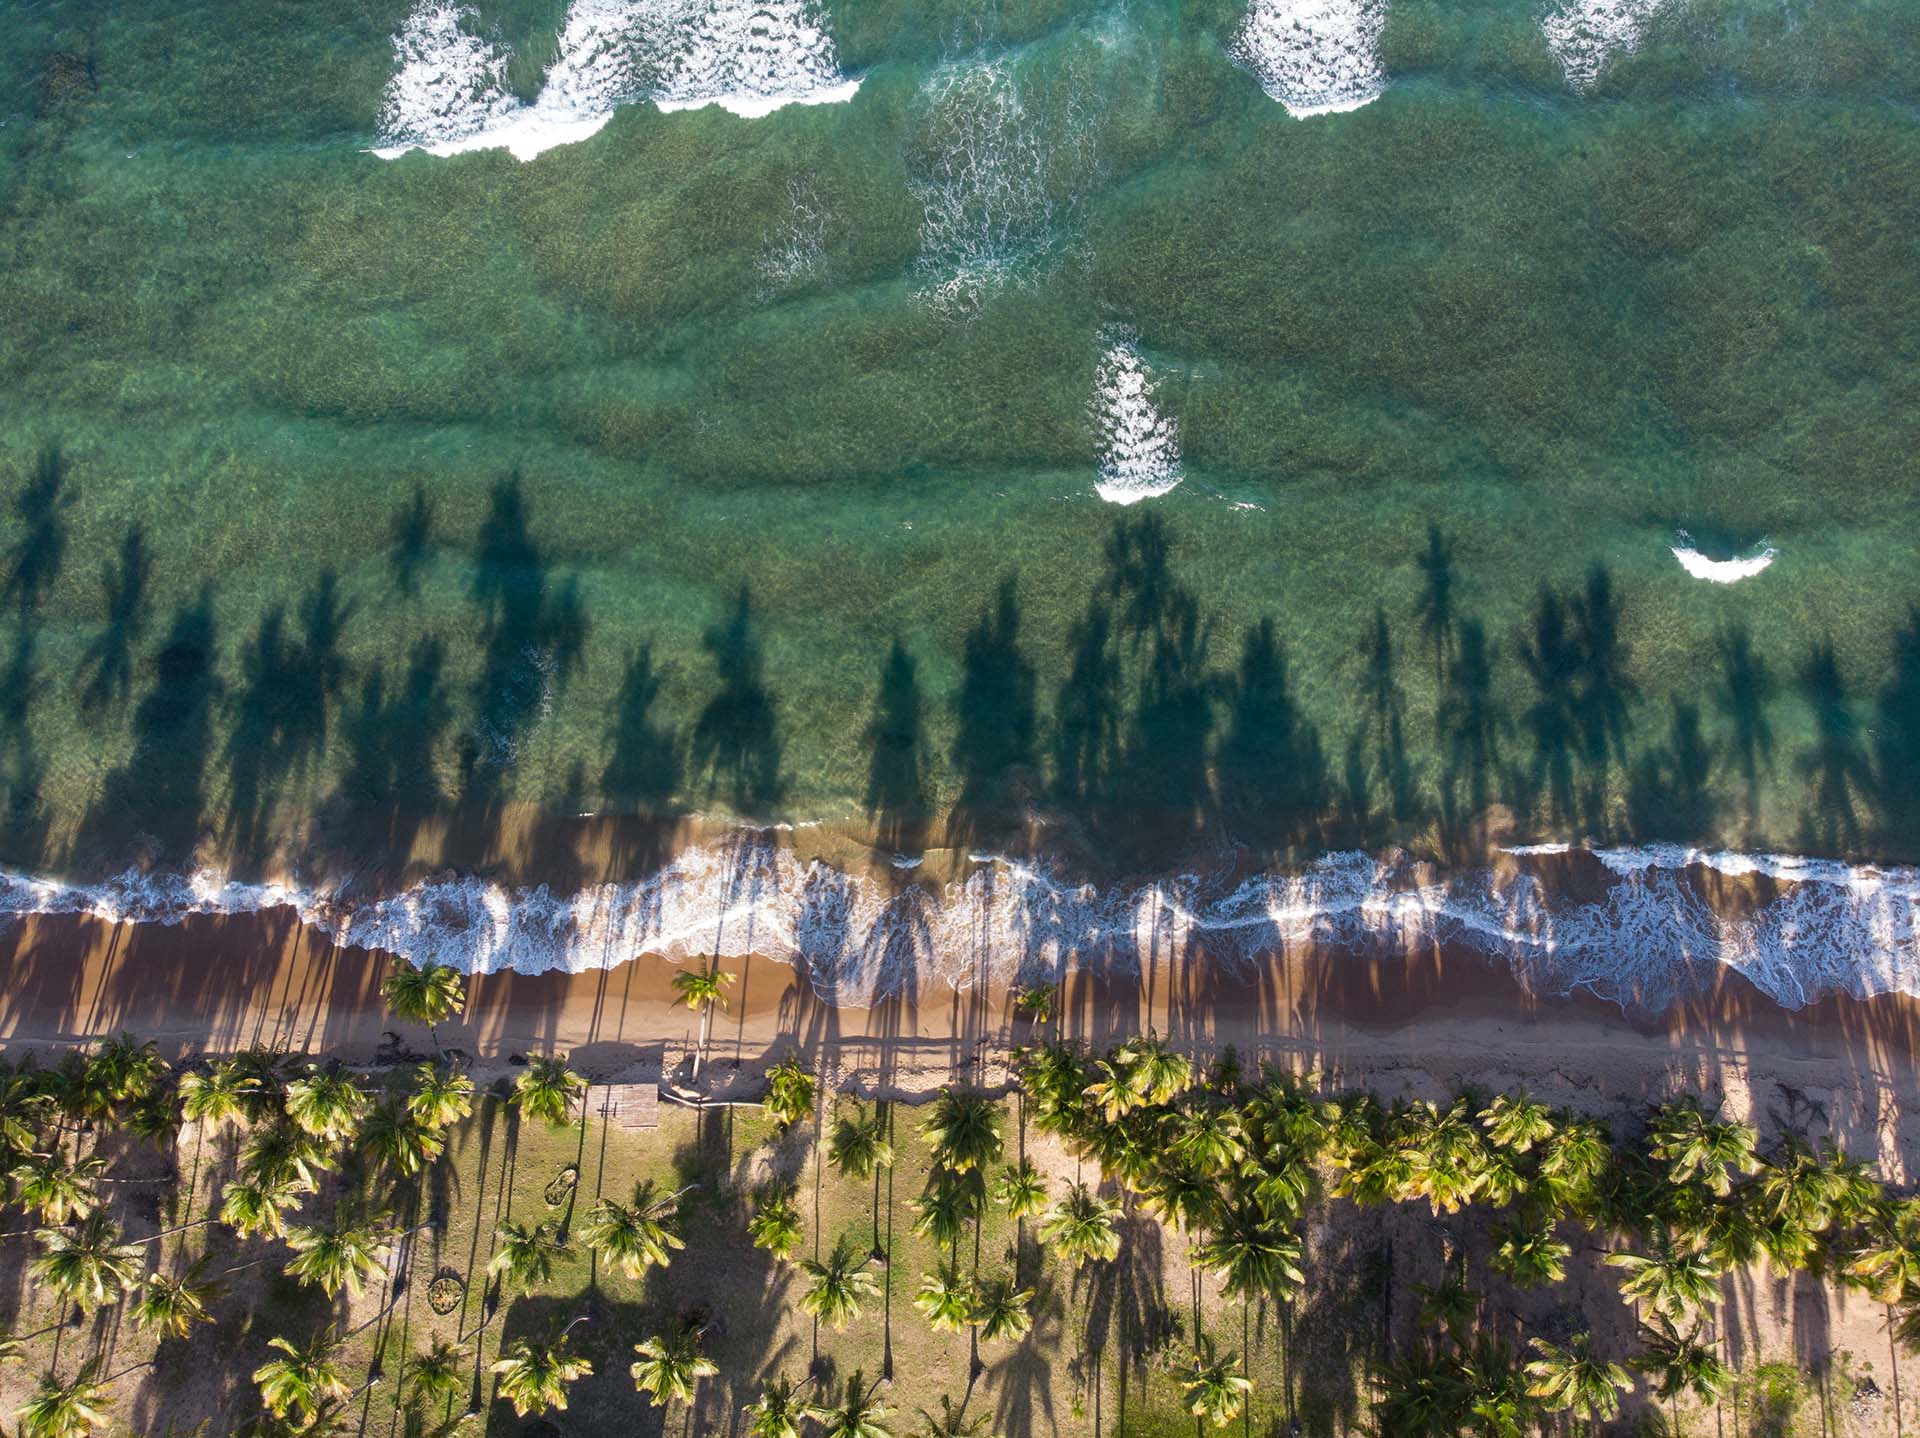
<point>1638,926</point>
<point>1721,571</point>
<point>449,90</point>
<point>1585,35</point>
<point>1139,446</point>
<point>1316,57</point>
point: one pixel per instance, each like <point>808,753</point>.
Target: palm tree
<point>856,1415</point>
<point>171,1306</point>
<point>953,1422</point>
<point>1214,1389</point>
<point>790,1094</point>
<point>1449,1306</point>
<point>837,1287</point>
<point>534,1376</point>
<point>302,1382</point>
<point>1516,1123</point>
<point>58,1190</point>
<point>257,1210</point>
<point>217,1095</point>
<point>1081,1226</point>
<point>1002,1312</point>
<point>1694,1146</point>
<point>66,1410</point>
<point>1210,1139</point>
<point>392,1135</point>
<point>963,1128</point>
<point>344,1255</point>
<point>945,1299</point>
<point>546,1090</point>
<point>1035,1004</point>
<point>438,1373</point>
<point>1495,1390</point>
<point>1887,1265</point>
<point>671,1366</point>
<point>525,1254</point>
<point>700,992</point>
<point>1672,1281</point>
<point>284,1154</point>
<point>88,1264</point>
<point>634,1235</point>
<point>1572,1380</point>
<point>1529,1254</point>
<point>1421,1395</point>
<point>1573,1159</point>
<point>950,1202</point>
<point>1681,1365</point>
<point>1154,1072</point>
<point>326,1104</point>
<point>267,1069</point>
<point>23,1109</point>
<point>777,1412</point>
<point>857,1146</point>
<point>427,994</point>
<point>1021,1190</point>
<point>775,1225</point>
<point>129,1069</point>
<point>441,1096</point>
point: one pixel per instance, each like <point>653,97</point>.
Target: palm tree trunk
<point>1893,1354</point>
<point>700,1049</point>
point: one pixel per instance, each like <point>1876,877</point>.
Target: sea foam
<point>1585,35</point>
<point>1139,446</point>
<point>1721,571</point>
<point>1316,57</point>
<point>1640,932</point>
<point>449,95</point>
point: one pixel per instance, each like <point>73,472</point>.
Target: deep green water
<point>339,485</point>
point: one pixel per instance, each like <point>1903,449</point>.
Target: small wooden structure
<point>631,1105</point>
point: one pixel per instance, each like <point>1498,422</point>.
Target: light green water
<point>339,485</point>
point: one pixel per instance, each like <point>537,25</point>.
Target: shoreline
<point>1423,1024</point>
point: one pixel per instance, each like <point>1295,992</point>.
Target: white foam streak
<point>1585,35</point>
<point>448,94</point>
<point>1721,571</point>
<point>1316,57</point>
<point>1139,446</point>
<point>1652,936</point>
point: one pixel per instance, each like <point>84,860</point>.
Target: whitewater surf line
<point>1814,927</point>
<point>1139,446</point>
<point>1720,571</point>
<point>449,95</point>
<point>1586,35</point>
<point>1316,57</point>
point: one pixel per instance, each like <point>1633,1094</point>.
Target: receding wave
<point>1316,57</point>
<point>1586,35</point>
<point>1638,926</point>
<point>1139,445</point>
<point>449,89</point>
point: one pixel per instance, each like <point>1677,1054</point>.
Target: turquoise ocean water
<point>1146,439</point>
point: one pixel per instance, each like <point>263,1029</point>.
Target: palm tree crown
<point>671,1366</point>
<point>302,1381</point>
<point>524,1253</point>
<point>857,1143</point>
<point>1571,1379</point>
<point>343,1255</point>
<point>837,1286</point>
<point>856,1415</point>
<point>964,1129</point>
<point>1081,1226</point>
<point>546,1090</point>
<point>88,1264</point>
<point>66,1410</point>
<point>424,993</point>
<point>534,1376</point>
<point>634,1236</point>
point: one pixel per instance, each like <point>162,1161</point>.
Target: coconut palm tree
<point>1002,1312</point>
<point>129,1069</point>
<point>1035,1004</point>
<point>1515,1122</point>
<point>857,1146</point>
<point>282,1154</point>
<point>216,1095</point>
<point>1673,1280</point>
<point>1681,1365</point>
<point>1529,1254</point>
<point>700,992</point>
<point>326,1104</point>
<point>524,1254</point>
<point>953,1422</point>
<point>671,1366</point>
<point>963,1128</point>
<point>1255,1254</point>
<point>945,1299</point>
<point>534,1376</point>
<point>87,1264</point>
<point>301,1382</point>
<point>1021,1190</point>
<point>791,1091</point>
<point>441,1096</point>
<point>427,994</point>
<point>439,1372</point>
<point>59,1190</point>
<point>634,1236</point>
<point>343,1255</point>
<point>24,1106</point>
<point>1214,1389</point>
<point>1887,1265</point>
<point>1449,1306</point>
<point>949,1203</point>
<point>775,1224</point>
<point>777,1412</point>
<point>1421,1395</point>
<point>392,1135</point>
<point>1573,1159</point>
<point>170,1306</point>
<point>1081,1226</point>
<point>268,1070</point>
<point>257,1210</point>
<point>1694,1146</point>
<point>1495,1390</point>
<point>855,1416</point>
<point>1209,1139</point>
<point>1572,1379</point>
<point>546,1090</point>
<point>1156,1073</point>
<point>838,1286</point>
<point>66,1410</point>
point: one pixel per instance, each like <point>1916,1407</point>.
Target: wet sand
<point>1426,1023</point>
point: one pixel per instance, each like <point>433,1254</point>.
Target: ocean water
<point>1143,445</point>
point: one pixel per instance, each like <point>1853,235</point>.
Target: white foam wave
<point>1650,937</point>
<point>449,95</point>
<point>1721,571</point>
<point>1316,57</point>
<point>1585,35</point>
<point>1139,446</point>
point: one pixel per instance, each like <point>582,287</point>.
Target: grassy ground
<point>1097,1362</point>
